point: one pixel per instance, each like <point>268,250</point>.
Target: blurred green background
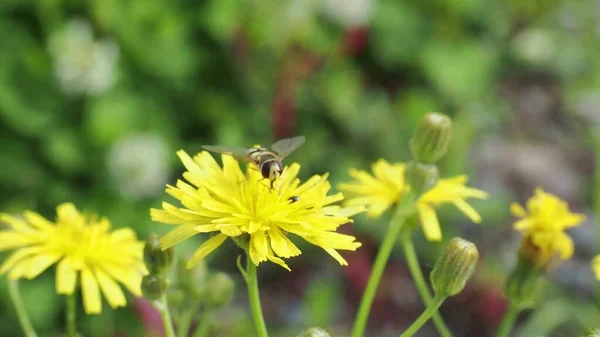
<point>96,97</point>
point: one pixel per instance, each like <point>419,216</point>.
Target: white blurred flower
<point>138,165</point>
<point>536,45</point>
<point>81,64</point>
<point>350,13</point>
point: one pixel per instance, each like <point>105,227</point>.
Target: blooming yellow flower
<point>79,244</point>
<point>448,190</point>
<point>231,204</point>
<point>543,225</point>
<point>379,192</point>
<point>596,266</point>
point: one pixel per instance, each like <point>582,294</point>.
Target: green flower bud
<point>219,289</point>
<point>432,137</point>
<point>454,268</point>
<point>421,177</point>
<point>591,333</point>
<point>154,286</point>
<point>156,259</point>
<point>314,332</point>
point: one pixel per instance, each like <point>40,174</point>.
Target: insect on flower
<point>267,162</point>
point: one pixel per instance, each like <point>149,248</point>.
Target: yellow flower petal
<point>282,246</point>
<point>517,210</point>
<point>177,235</point>
<point>467,210</point>
<point>66,277</point>
<point>258,247</point>
<point>40,263</point>
<point>111,290</point>
<point>336,256</point>
<point>596,266</point>
<point>206,248</point>
<point>92,302</point>
<point>429,222</point>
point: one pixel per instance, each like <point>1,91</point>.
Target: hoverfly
<point>268,162</point>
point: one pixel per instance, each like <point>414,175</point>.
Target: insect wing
<point>286,146</point>
<point>237,152</point>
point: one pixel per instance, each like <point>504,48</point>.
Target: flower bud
<point>156,259</point>
<point>154,286</point>
<point>421,177</point>
<point>432,137</point>
<point>454,268</point>
<point>219,289</point>
<point>591,333</point>
<point>314,332</point>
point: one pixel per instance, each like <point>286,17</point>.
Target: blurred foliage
<point>78,125</point>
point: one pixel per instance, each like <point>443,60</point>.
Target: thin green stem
<point>431,309</point>
<point>71,315</point>
<point>360,322</point>
<point>403,211</point>
<point>204,324</point>
<point>254,297</point>
<point>421,283</point>
<point>15,297</point>
<point>163,308</point>
<point>508,322</point>
<point>184,322</point>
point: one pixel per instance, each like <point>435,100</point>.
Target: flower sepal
<point>421,177</point>
<point>524,283</point>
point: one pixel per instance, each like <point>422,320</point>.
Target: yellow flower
<point>449,190</point>
<point>596,266</point>
<point>79,244</point>
<point>379,192</point>
<point>543,225</point>
<point>230,204</point>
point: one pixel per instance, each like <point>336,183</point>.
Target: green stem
<point>419,278</point>
<point>508,322</point>
<point>403,211</point>
<point>15,296</point>
<point>204,324</point>
<point>254,297</point>
<point>163,308</point>
<point>184,322</point>
<point>71,314</point>
<point>425,316</point>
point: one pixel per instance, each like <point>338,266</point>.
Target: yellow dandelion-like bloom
<point>380,191</point>
<point>228,203</point>
<point>79,243</point>
<point>543,225</point>
<point>596,266</point>
<point>377,192</point>
<point>449,190</point>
